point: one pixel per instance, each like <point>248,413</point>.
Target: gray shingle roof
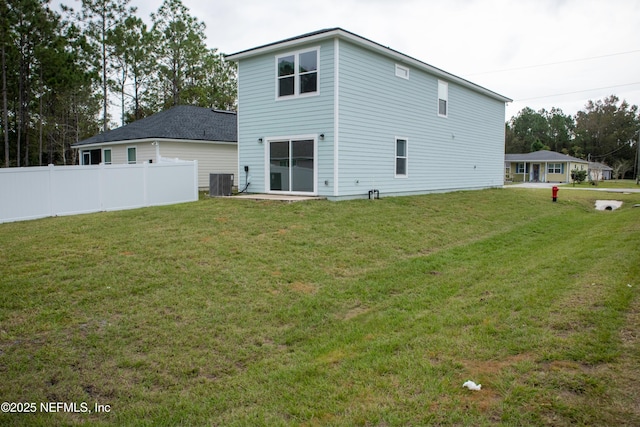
<point>180,122</point>
<point>598,165</point>
<point>290,39</point>
<point>542,156</point>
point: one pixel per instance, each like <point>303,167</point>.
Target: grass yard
<point>236,312</point>
<point>616,183</point>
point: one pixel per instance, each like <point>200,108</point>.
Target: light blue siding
<point>260,115</point>
<point>374,107</point>
<point>463,150</point>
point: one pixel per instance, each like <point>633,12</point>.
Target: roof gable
<point>186,122</point>
<point>368,44</point>
<point>542,156</point>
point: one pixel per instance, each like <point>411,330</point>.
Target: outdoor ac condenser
<point>220,184</point>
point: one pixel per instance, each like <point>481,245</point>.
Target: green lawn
<point>616,183</point>
<point>236,312</point>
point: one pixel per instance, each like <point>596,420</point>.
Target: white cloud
<point>463,37</point>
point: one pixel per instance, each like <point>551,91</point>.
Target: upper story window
<point>297,73</point>
<point>443,98</point>
<point>402,72</point>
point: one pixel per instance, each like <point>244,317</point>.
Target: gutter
<point>150,140</point>
<point>370,45</point>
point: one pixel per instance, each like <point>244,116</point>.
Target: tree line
<point>62,73</point>
<point>605,131</point>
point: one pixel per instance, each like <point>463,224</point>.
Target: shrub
<point>578,176</point>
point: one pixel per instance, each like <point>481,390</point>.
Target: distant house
<point>185,132</point>
<point>542,166</point>
<point>600,171</point>
<point>333,114</point>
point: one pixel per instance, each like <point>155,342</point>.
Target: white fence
<point>38,192</point>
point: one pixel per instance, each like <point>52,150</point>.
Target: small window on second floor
<point>297,73</point>
<point>308,70</point>
<point>443,98</point>
<point>286,75</point>
<point>402,72</point>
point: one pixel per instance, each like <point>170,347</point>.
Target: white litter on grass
<point>608,205</point>
<point>472,386</point>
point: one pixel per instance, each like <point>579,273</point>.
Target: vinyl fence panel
<point>38,192</point>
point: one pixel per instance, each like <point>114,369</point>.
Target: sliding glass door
<point>292,165</point>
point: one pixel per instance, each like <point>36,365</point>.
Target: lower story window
<point>554,168</point>
<point>520,168</point>
<point>401,157</point>
<point>131,155</point>
<point>92,157</point>
<point>106,156</point>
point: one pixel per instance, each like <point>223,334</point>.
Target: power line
<point>605,155</point>
<point>568,61</point>
<point>577,91</point>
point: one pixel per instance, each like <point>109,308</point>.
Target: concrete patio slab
<point>276,197</point>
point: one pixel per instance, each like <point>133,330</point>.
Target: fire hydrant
<point>554,191</point>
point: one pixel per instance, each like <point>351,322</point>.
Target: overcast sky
<point>540,53</point>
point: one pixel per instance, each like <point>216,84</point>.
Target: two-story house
<point>333,114</point>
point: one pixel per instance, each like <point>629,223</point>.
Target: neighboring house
<point>599,171</point>
<point>185,132</point>
<point>542,166</point>
<point>333,114</point>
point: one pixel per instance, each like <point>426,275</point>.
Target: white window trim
<point>402,72</point>
<point>405,157</point>
<point>135,148</point>
<point>104,150</point>
<point>551,168</point>
<point>296,74</point>
<point>443,96</point>
<point>524,168</point>
<point>267,163</point>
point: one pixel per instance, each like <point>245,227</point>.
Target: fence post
<point>195,180</point>
<point>50,192</point>
<point>101,180</point>
<point>145,183</point>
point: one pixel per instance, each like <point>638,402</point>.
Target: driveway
<point>531,185</point>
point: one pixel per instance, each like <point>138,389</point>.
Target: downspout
<point>336,118</point>
<point>157,144</point>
